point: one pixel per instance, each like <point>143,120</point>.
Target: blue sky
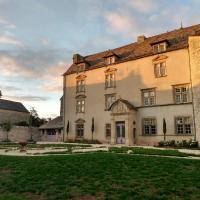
<point>39,37</point>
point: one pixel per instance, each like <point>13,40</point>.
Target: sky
<point>39,37</point>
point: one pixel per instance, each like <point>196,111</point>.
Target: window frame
<point>110,81</point>
<point>157,47</point>
<point>80,129</point>
<point>184,125</point>
<point>158,66</point>
<point>148,90</point>
<point>110,60</point>
<point>80,67</point>
<point>80,87</point>
<point>150,128</point>
<point>181,93</point>
<point>80,108</point>
<point>108,129</point>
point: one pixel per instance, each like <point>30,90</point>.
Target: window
<point>110,60</point>
<point>80,86</point>
<point>161,47</point>
<point>109,100</point>
<point>110,80</point>
<point>181,94</point>
<point>80,105</point>
<point>183,125</point>
<point>81,67</point>
<point>148,96</point>
<point>160,69</point>
<point>149,126</point>
<point>108,130</point>
<point>80,130</point>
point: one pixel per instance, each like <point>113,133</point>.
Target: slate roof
<point>53,124</point>
<point>177,39</point>
<point>12,105</point>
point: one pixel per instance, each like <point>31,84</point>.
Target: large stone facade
<point>127,113</point>
<point>194,51</point>
<point>13,116</point>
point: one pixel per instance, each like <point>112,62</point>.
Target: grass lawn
<point>148,151</point>
<point>98,176</point>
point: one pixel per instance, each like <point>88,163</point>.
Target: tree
<point>35,120</point>
<point>7,126</point>
<point>164,128</point>
<point>92,128</point>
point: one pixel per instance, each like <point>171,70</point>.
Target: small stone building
<point>52,131</point>
<point>12,111</point>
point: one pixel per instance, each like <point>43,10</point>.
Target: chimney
<point>141,38</point>
<point>77,58</point>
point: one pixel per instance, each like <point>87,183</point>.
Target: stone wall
<point>13,116</point>
<point>20,133</point>
<point>194,51</point>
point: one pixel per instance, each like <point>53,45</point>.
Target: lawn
<point>98,176</point>
<point>149,151</point>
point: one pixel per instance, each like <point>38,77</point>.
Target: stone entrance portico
<point>123,122</point>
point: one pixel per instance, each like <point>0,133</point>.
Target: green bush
<point>181,144</point>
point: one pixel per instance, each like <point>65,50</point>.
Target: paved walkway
<point>13,151</point>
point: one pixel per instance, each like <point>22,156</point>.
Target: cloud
<point>27,98</point>
<point>5,39</point>
<point>120,23</point>
<point>6,23</point>
<point>11,67</point>
<point>144,6</point>
<point>53,80</point>
<point>9,88</point>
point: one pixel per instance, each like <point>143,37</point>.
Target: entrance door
<point>120,129</point>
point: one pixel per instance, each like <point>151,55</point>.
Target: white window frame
<point>149,97</point>
<point>110,60</point>
<point>181,94</point>
<point>80,130</point>
<point>108,130</point>
<point>183,125</point>
<point>80,86</point>
<point>158,71</point>
<point>110,80</point>
<point>149,125</point>
<point>160,47</point>
<point>80,105</point>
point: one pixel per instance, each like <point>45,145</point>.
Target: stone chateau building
<point>129,91</point>
<point>13,111</point>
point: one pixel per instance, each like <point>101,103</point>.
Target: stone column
<point>194,53</point>
<point>113,131</point>
<point>127,130</point>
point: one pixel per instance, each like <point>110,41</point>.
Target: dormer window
<point>81,67</point>
<point>110,60</point>
<point>110,57</point>
<point>158,48</point>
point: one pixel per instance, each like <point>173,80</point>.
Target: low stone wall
<point>20,133</point>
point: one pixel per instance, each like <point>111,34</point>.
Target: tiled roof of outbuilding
<point>177,39</point>
<point>53,124</point>
<point>12,105</point>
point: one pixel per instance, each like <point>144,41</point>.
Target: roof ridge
<point>160,34</point>
<point>177,39</point>
<point>11,101</point>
